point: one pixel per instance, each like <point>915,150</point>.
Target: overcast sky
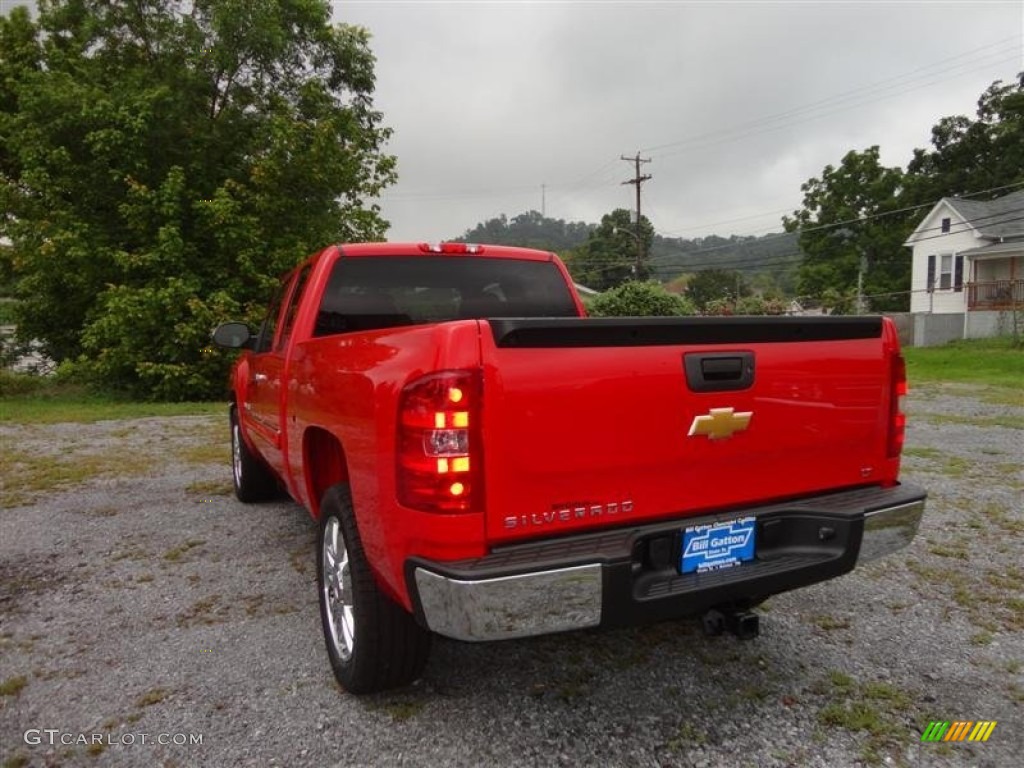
<point>735,104</point>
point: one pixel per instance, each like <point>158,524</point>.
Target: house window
<point>950,272</point>
<point>945,225</point>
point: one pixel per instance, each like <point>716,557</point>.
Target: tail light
<point>439,460</point>
<point>897,419</point>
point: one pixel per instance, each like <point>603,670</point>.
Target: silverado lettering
<point>421,400</point>
<point>566,514</point>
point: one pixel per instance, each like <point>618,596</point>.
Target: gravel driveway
<point>140,603</point>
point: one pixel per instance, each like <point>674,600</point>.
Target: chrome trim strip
<point>511,606</point>
<point>888,530</point>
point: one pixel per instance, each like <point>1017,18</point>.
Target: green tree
<point>968,156</point>
<point>850,221</point>
<point>161,162</point>
<point>767,286</point>
<point>839,302</point>
<point>724,285</point>
<point>856,214</point>
<point>640,299</point>
<point>609,256</point>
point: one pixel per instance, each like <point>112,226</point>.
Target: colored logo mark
<point>958,730</point>
<point>720,423</point>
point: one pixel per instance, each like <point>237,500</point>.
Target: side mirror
<point>232,336</point>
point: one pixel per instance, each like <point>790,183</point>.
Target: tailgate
<point>593,423</point>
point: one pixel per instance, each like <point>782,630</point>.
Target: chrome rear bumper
<point>887,530</point>
<point>513,606</point>
<point>599,578</point>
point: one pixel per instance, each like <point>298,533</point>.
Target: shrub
<point>640,299</point>
<point>13,384</point>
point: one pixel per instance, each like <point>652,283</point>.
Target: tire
<point>373,643</point>
<point>252,480</point>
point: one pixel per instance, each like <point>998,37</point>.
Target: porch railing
<point>996,294</point>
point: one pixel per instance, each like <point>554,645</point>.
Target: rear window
<point>366,294</point>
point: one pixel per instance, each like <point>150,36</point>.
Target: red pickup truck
<point>485,462</point>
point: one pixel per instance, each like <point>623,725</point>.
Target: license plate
<point>718,545</point>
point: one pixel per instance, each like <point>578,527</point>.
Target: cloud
<point>736,104</point>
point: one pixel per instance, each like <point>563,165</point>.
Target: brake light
<point>897,418</point>
<point>439,467</point>
<point>452,248</point>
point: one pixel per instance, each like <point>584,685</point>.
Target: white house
<point>968,260</point>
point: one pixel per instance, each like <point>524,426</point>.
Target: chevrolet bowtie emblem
<point>720,423</point>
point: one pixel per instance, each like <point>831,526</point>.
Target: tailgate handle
<point>722,369</point>
<point>719,371</point>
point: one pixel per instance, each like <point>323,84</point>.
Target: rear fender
<point>325,465</point>
<point>323,458</point>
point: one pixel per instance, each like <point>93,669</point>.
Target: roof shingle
<point>1002,217</point>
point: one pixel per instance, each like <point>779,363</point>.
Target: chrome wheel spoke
<point>331,570</point>
<point>337,590</point>
<point>236,452</point>
<point>344,580</point>
<point>348,628</point>
<point>339,621</point>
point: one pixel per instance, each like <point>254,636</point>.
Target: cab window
<point>292,310</point>
<point>265,336</point>
<point>366,294</point>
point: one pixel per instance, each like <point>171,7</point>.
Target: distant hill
<point>775,255</point>
<point>530,230</point>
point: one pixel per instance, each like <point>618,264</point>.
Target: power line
<point>648,206</point>
<point>881,214</point>
<point>705,141</point>
<point>966,226</point>
<point>676,232</point>
<point>971,222</point>
<point>465,194</point>
<point>777,261</point>
<point>608,165</point>
<point>583,183</point>
<point>780,260</point>
<point>856,95</point>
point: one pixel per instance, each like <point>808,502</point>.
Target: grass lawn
<point>29,400</point>
<point>978,361</point>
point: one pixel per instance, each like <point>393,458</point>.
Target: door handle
<point>260,377</point>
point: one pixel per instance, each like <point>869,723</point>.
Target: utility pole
<point>861,304</point>
<point>543,200</point>
<point>637,180</point>
<point>860,288</point>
